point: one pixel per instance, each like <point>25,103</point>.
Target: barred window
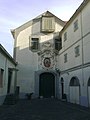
<point>58,44</point>
<point>75,25</point>
<point>34,44</point>
<point>77,51</point>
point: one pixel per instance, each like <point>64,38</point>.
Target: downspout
<point>82,49</point>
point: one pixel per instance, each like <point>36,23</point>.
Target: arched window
<point>74,81</point>
<point>89,82</point>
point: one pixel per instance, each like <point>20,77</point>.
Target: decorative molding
<point>47,56</point>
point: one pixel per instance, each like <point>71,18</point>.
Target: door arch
<point>47,85</point>
<point>89,92</point>
<point>74,90</point>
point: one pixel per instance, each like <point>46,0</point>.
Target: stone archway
<point>74,90</point>
<point>47,85</point>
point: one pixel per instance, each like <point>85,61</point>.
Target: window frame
<point>77,50</point>
<point>65,36</point>
<point>65,58</point>
<point>50,25</point>
<point>31,43</point>
<point>59,43</point>
<point>75,25</point>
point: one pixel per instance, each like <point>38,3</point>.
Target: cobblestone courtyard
<point>43,109</point>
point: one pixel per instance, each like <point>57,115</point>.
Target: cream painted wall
<point>72,61</point>
<point>80,37</point>
<point>86,48</point>
<point>72,37</point>
<point>86,19</point>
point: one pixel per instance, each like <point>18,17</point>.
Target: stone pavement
<point>43,109</point>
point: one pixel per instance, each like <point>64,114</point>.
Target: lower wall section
<point>2,98</point>
<point>84,101</point>
<point>76,86</point>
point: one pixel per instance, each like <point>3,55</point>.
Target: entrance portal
<point>47,85</point>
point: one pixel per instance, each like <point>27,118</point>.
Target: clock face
<point>47,62</point>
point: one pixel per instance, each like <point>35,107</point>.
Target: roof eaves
<point>83,4</point>
<point>30,22</point>
<point>7,54</point>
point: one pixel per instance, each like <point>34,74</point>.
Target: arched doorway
<point>74,90</point>
<point>47,85</point>
<point>89,91</point>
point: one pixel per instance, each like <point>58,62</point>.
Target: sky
<point>14,13</point>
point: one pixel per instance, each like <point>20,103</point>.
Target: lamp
<point>58,71</point>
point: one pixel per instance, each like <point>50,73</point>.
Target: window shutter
<point>48,24</point>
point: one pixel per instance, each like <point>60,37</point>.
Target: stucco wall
<point>5,64</point>
<point>28,62</point>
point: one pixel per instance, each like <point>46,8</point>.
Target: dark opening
<point>74,81</point>
<point>9,80</point>
<point>47,85</point>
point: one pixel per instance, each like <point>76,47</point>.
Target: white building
<point>7,74</point>
<point>50,51</point>
<point>74,57</point>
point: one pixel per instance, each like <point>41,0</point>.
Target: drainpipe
<point>82,49</point>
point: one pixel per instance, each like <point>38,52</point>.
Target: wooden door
<point>47,85</point>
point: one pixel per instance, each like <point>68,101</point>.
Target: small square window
<point>75,25</point>
<point>77,51</point>
<point>65,58</point>
<point>65,36</point>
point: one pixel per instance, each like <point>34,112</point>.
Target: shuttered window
<point>48,24</point>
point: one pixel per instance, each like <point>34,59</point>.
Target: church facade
<point>53,56</point>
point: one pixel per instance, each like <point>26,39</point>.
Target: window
<point>1,77</point>
<point>48,24</point>
<point>65,58</point>
<point>77,51</point>
<point>75,25</point>
<point>74,81</point>
<point>65,36</point>
<point>34,44</point>
<point>58,44</point>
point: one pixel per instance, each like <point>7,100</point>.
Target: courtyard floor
<point>43,109</point>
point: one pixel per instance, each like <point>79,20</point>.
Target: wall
<point>77,66</point>
<point>28,62</point>
<point>5,63</point>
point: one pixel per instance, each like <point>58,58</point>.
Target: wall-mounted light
<point>58,71</point>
